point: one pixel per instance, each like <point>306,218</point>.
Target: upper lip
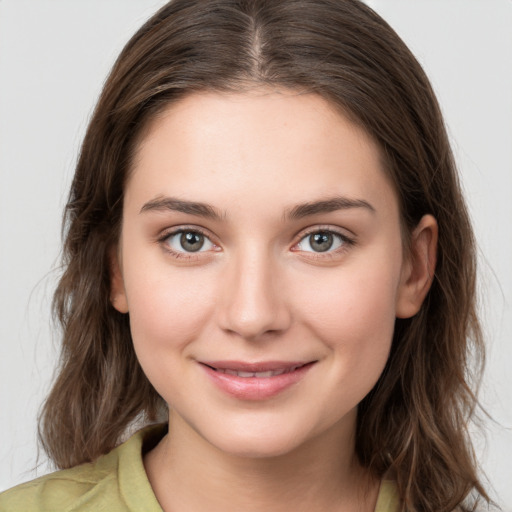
<point>261,366</point>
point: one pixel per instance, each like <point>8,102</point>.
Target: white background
<point>54,56</point>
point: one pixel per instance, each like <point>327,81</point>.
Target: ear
<point>117,291</point>
<point>418,268</point>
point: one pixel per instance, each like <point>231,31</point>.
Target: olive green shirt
<point>116,482</point>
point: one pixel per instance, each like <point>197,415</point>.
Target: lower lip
<point>255,388</point>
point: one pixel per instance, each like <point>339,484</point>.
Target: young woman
<point>268,255</point>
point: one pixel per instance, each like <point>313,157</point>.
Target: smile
<point>263,375</point>
<point>255,381</point>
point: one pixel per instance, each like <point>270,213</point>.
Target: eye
<point>322,241</point>
<point>188,241</point>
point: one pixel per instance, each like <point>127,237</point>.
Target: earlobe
<point>418,269</point>
<point>117,291</point>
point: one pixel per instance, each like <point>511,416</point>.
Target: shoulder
<point>57,491</point>
<point>388,499</point>
<point>114,482</point>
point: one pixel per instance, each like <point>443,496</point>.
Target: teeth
<point>245,374</point>
<point>261,375</point>
<point>265,374</point>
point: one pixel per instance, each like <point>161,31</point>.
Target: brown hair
<point>414,421</point>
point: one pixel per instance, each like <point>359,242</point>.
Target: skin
<point>258,290</point>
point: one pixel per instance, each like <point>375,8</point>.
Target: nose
<point>252,302</point>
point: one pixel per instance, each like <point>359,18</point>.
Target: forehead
<point>279,145</point>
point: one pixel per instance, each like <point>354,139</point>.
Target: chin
<point>253,437</point>
<point>258,447</point>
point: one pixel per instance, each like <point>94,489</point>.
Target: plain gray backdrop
<point>54,56</point>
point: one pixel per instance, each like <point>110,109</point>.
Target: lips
<point>255,381</point>
<point>260,375</point>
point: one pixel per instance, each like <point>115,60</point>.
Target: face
<point>261,265</point>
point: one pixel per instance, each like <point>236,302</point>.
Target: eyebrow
<point>327,205</point>
<point>297,212</point>
<point>180,205</point>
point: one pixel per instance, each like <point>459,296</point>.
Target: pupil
<point>192,242</point>
<point>321,242</point>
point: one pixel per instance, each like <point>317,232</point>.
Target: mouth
<point>255,381</point>
<point>255,370</point>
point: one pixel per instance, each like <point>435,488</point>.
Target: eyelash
<point>346,243</point>
<point>183,254</point>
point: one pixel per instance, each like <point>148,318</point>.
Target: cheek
<point>362,300</point>
<point>168,307</point>
<point>353,312</point>
<point>168,311</point>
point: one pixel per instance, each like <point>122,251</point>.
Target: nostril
<point>251,306</point>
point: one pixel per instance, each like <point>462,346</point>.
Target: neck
<point>189,474</point>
